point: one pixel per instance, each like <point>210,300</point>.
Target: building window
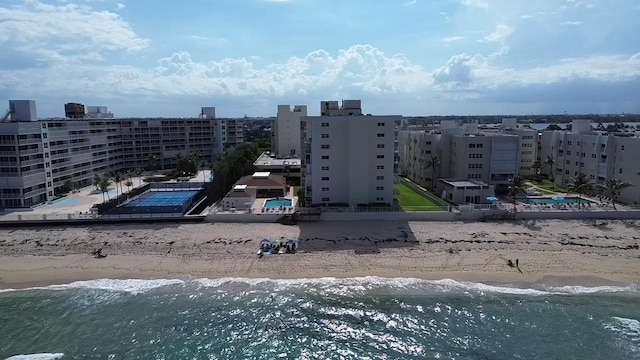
<point>324,146</point>
<point>566,172</point>
<point>594,156</point>
<point>380,146</point>
<point>380,156</point>
<point>325,189</point>
<point>325,136</point>
<point>569,142</point>
<point>428,143</point>
<point>568,152</point>
<point>379,177</point>
<point>622,148</point>
<point>475,156</point>
<point>325,168</point>
<point>325,157</point>
<point>472,146</point>
<point>379,188</point>
<point>325,199</point>
<point>380,167</point>
<point>379,199</point>
<point>380,135</point>
<point>325,178</point>
<point>620,171</point>
<point>380,124</point>
<point>44,126</point>
<point>324,124</point>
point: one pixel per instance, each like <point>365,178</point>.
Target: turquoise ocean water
<point>365,318</point>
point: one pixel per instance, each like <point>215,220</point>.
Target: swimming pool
<point>67,201</point>
<point>273,203</point>
<point>550,201</point>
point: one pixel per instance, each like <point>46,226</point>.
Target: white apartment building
<point>38,157</point>
<point>464,154</point>
<point>529,138</point>
<point>597,154</point>
<point>98,112</point>
<point>348,157</point>
<point>286,130</point>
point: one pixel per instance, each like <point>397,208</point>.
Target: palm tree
<point>537,165</point>
<point>128,184</point>
<point>103,185</point>
<point>516,189</point>
<point>613,187</point>
<point>434,163</point>
<point>580,185</point>
<point>550,162</point>
<point>153,161</point>
<point>117,178</point>
<point>96,181</point>
<point>139,172</point>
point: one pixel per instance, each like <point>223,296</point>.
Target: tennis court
<point>163,198</point>
<point>154,202</point>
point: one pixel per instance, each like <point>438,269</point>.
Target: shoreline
<point>550,252</point>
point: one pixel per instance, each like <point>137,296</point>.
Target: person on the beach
<point>517,263</point>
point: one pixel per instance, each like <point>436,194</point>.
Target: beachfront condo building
<point>461,151</point>
<point>286,130</point>
<point>599,155</point>
<point>38,157</point>
<point>529,144</point>
<point>348,157</point>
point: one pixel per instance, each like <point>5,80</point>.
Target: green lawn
<point>549,187</point>
<point>412,201</point>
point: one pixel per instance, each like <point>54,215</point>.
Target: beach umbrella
<point>492,198</point>
<point>266,240</point>
<point>557,198</point>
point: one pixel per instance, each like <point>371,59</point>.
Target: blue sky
<point>412,57</point>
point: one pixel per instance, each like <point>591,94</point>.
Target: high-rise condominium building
<point>286,130</point>
<point>460,151</point>
<point>597,154</point>
<point>347,157</point>
<point>37,158</point>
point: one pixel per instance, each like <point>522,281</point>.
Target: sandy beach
<point>552,252</point>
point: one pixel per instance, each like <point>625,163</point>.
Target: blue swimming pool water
<point>272,203</point>
<point>550,201</point>
<point>66,202</point>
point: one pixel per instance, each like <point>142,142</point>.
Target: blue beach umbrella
<point>492,198</point>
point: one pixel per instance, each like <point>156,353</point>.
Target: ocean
<point>363,318</point>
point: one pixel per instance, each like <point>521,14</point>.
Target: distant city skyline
<point>413,57</point>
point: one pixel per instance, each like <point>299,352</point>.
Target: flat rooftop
<point>270,159</point>
<point>465,183</point>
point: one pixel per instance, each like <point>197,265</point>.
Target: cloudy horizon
<point>444,57</point>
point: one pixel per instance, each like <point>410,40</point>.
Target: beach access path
<point>551,251</point>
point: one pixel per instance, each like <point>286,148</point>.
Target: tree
<point>128,183</point>
<point>96,181</point>
<point>613,187</point>
<point>553,127</point>
<point>580,185</point>
<point>69,186</point>
<point>154,160</point>
<point>139,172</point>
<point>103,185</point>
<point>434,164</point>
<point>550,162</point>
<point>516,189</point>
<point>537,165</point>
<point>117,178</point>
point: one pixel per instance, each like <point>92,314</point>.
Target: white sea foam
<point>577,290</point>
<point>134,286</point>
<point>444,285</point>
<point>137,286</point>
<point>42,356</point>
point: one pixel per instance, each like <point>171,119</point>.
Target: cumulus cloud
<point>501,34</point>
<point>59,32</point>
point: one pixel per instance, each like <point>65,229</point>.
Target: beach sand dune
<point>552,251</point>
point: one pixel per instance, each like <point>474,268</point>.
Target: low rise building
<point>465,191</point>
